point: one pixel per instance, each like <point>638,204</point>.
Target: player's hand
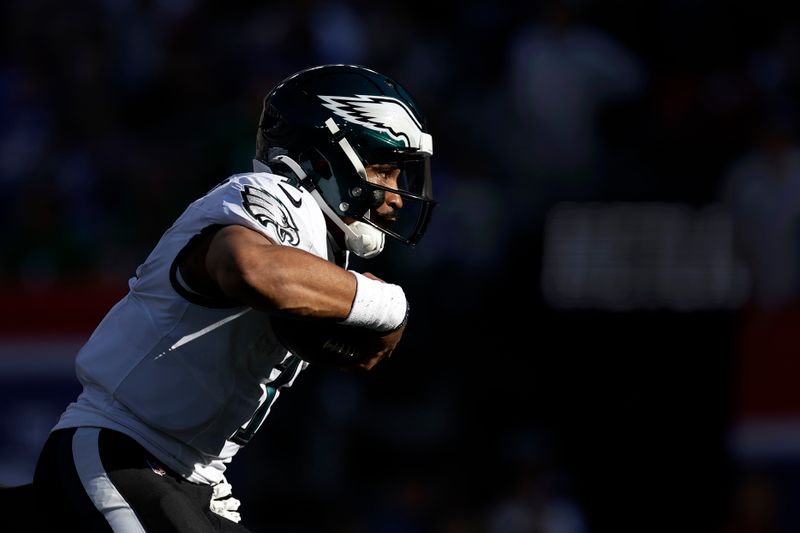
<point>347,347</point>
<point>383,345</point>
<point>380,347</point>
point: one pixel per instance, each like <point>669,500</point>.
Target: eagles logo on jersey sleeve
<point>268,210</point>
<point>269,204</point>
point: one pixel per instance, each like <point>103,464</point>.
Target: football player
<point>183,370</point>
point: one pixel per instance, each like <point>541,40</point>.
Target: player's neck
<point>335,235</point>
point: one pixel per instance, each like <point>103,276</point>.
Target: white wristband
<point>377,305</point>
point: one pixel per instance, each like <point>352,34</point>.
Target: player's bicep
<point>188,274</point>
<point>233,253</point>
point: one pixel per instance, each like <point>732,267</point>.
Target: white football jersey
<point>190,380</point>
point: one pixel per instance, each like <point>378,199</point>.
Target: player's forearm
<point>278,279</point>
<point>294,282</point>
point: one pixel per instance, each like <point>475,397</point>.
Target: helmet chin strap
<point>360,238</point>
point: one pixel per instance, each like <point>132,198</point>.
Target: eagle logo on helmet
<point>380,113</point>
<point>267,209</point>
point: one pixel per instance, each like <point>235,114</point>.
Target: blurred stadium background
<point>606,318</point>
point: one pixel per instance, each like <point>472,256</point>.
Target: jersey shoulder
<point>270,204</point>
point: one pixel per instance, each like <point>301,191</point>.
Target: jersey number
<point>288,370</point>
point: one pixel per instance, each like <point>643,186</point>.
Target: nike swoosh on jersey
<point>295,202</point>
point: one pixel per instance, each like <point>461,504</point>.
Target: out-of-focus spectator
<point>535,492</point>
<point>534,504</point>
<point>762,190</point>
<point>560,75</point>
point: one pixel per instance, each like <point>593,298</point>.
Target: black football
<point>322,341</point>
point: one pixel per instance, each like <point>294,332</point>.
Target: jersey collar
<point>258,166</point>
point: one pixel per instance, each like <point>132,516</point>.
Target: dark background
<point>606,297</point>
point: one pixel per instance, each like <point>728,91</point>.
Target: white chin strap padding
<point>360,238</point>
<point>364,240</point>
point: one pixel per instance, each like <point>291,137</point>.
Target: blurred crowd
<point>114,114</point>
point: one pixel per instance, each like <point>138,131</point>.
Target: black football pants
<point>98,480</point>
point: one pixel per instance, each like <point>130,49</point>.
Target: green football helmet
<point>333,121</point>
